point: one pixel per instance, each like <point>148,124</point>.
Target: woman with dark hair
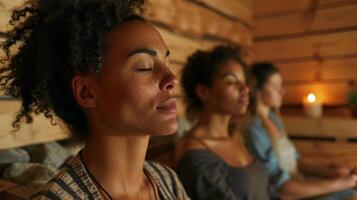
<point>104,71</point>
<point>267,138</point>
<point>211,163</point>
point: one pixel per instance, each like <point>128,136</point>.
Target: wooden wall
<point>313,42</point>
<point>186,25</point>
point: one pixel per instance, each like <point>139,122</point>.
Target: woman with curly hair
<point>211,163</point>
<point>104,71</point>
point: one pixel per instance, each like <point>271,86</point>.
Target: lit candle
<point>312,107</point>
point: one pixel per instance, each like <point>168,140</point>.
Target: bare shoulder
<point>186,144</point>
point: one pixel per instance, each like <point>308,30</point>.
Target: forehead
<point>230,66</point>
<point>132,35</point>
<point>275,78</point>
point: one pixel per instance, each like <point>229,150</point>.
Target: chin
<point>165,129</point>
<point>241,111</point>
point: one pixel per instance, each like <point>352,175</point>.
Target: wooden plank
<point>339,69</point>
<point>335,2</point>
<point>322,19</point>
<point>4,19</point>
<point>333,44</point>
<point>326,127</point>
<point>328,152</point>
<point>249,3</point>
<point>20,193</point>
<point>9,5</point>
<point>279,25</point>
<point>38,132</point>
<point>329,93</point>
<point>264,8</point>
<point>181,47</point>
<point>6,8</point>
<point>194,20</point>
<point>2,53</point>
<point>334,18</point>
<point>232,8</point>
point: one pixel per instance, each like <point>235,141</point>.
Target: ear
<point>84,91</point>
<point>202,92</point>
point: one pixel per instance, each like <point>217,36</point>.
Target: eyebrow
<point>148,51</point>
<point>232,74</point>
<point>228,74</point>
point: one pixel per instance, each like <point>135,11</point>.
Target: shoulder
<point>166,178</point>
<point>57,188</point>
<point>256,130</point>
<point>187,144</point>
<point>161,173</point>
<point>71,183</point>
<point>255,122</point>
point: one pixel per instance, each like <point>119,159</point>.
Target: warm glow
<point>311,98</point>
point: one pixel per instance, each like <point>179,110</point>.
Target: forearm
<point>315,168</point>
<point>297,189</point>
<point>323,169</point>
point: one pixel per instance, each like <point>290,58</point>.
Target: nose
<point>168,81</point>
<point>244,89</point>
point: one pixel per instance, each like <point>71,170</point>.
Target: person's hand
<point>341,171</point>
<point>349,181</point>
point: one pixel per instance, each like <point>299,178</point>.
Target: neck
<point>214,125</point>
<point>117,162</point>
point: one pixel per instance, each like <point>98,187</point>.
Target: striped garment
<point>75,183</point>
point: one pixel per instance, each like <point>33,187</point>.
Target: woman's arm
<point>323,169</point>
<point>297,189</point>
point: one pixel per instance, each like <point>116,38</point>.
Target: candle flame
<point>311,98</point>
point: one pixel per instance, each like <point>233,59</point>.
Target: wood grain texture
<point>233,8</point>
<point>39,131</point>
<point>333,127</point>
<point>197,21</point>
<point>263,8</point>
<point>181,47</point>
<point>337,69</point>
<point>341,17</point>
<point>307,47</point>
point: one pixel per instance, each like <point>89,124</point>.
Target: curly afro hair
<point>201,68</point>
<point>58,39</point>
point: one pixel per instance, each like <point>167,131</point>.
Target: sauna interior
<point>312,42</point>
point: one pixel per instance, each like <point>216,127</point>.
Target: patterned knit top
<point>75,183</point>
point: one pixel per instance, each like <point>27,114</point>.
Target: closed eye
<point>147,69</point>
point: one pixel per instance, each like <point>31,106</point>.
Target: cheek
<point>271,98</point>
<point>124,101</point>
<point>227,97</point>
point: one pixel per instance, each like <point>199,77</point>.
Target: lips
<point>169,106</point>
